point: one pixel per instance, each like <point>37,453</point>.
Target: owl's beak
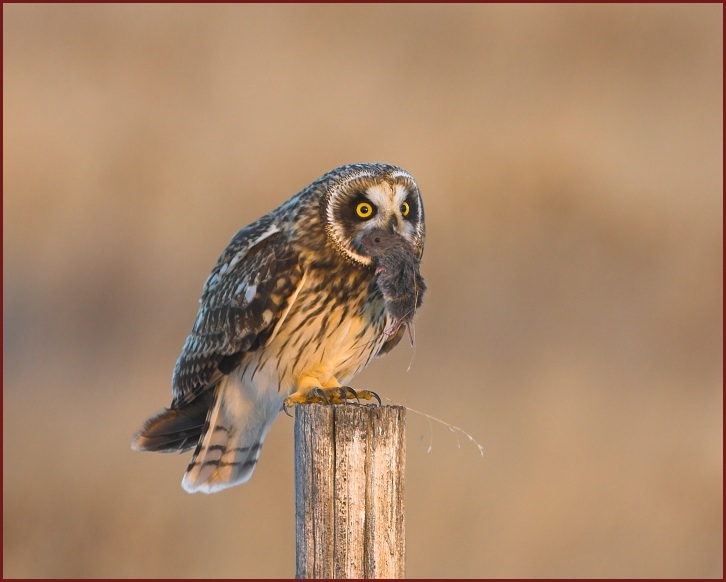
<point>392,225</point>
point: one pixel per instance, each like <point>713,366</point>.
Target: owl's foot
<point>365,395</point>
<point>335,395</point>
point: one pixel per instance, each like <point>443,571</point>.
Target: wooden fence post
<point>349,477</point>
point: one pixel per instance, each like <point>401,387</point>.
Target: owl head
<point>364,198</point>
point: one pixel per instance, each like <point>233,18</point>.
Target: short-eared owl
<point>298,304</point>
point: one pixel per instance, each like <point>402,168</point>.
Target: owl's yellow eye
<point>364,210</point>
<point>405,209</point>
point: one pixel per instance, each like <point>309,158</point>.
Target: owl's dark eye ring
<point>405,209</point>
<point>364,209</point>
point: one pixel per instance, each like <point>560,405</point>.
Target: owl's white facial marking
<point>380,195</point>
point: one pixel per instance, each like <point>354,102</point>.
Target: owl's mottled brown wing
<point>247,292</point>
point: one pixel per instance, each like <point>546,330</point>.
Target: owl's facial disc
<point>363,204</point>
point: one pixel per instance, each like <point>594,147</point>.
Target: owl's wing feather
<point>175,429</point>
<point>248,291</point>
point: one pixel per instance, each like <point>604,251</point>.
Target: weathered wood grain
<point>349,479</point>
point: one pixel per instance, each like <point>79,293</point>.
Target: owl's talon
<point>320,393</point>
<point>348,390</point>
<point>369,395</point>
<point>343,394</point>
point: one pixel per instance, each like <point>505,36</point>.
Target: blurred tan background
<point>570,160</point>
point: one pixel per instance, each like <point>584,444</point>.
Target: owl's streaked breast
<point>333,329</point>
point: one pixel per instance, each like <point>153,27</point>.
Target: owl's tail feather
<point>174,430</point>
<point>235,428</point>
